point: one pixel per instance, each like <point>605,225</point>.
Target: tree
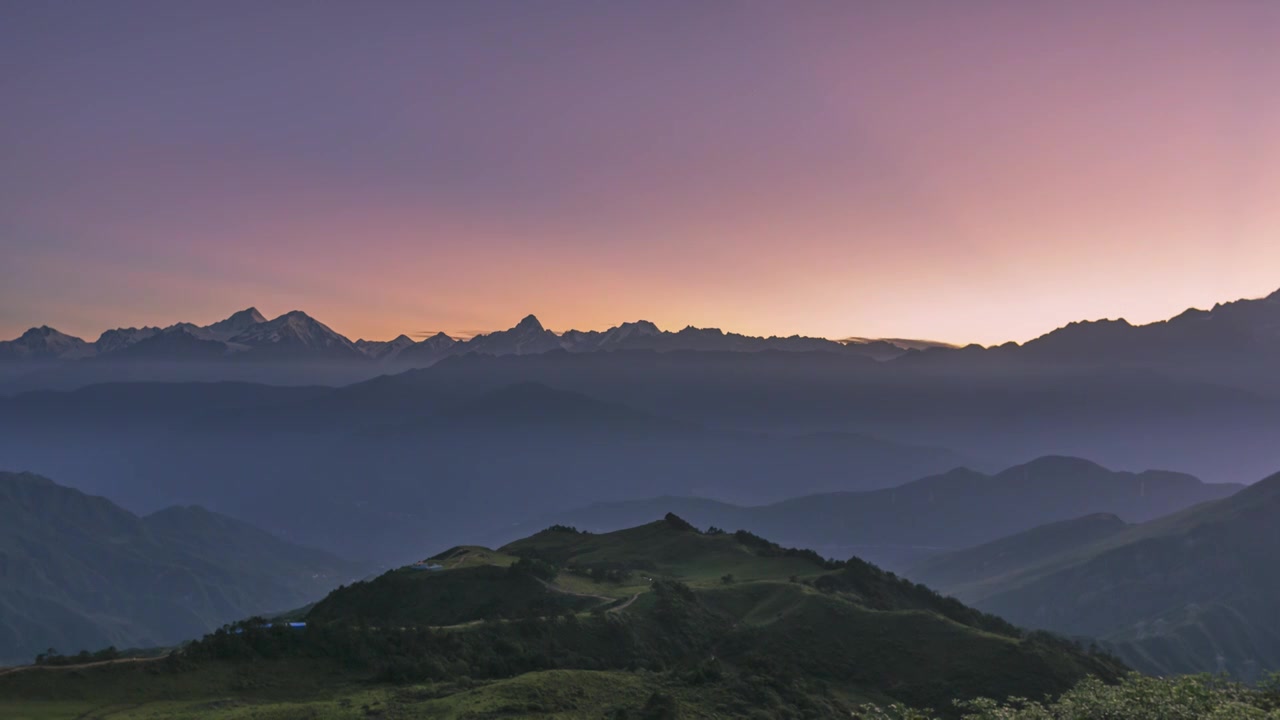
<point>1137,697</point>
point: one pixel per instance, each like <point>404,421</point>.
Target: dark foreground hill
<point>77,572</point>
<point>657,621</point>
<point>899,526</point>
<point>1197,591</point>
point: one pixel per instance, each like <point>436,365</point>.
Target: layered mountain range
<point>1194,591</point>
<point>399,465</point>
<point>78,571</point>
<point>1202,335</point>
<point>1234,343</point>
<point>898,526</point>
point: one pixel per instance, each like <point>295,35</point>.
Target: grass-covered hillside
<point>661,620</point>
<point>78,572</point>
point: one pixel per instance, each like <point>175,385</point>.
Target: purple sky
<point>975,171</point>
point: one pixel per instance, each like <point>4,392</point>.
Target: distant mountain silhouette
<point>173,344</point>
<point>1228,328</point>
<point>399,460</point>
<point>1120,417</point>
<point>121,338</point>
<point>948,511</point>
<point>954,570</point>
<point>421,354</point>
<point>749,425</point>
<point>379,350</point>
<point>1195,337</point>
<point>222,350</point>
<point>528,336</point>
<point>78,572</point>
<point>1233,343</point>
<point>295,336</point>
<point>1191,592</point>
<point>236,324</point>
<point>42,344</point>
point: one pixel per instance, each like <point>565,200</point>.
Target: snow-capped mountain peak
<point>640,328</point>
<point>295,332</point>
<point>45,343</point>
<point>236,324</point>
<point>383,349</point>
<point>528,336</point>
<point>120,338</point>
<point>421,354</point>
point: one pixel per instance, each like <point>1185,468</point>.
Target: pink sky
<point>956,171</point>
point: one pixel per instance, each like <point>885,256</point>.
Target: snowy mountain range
<point>44,343</point>
<point>295,335</point>
<point>1244,334</point>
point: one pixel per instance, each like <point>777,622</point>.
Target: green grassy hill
<point>409,597</point>
<point>670,548</point>
<point>1192,592</point>
<point>660,620</point>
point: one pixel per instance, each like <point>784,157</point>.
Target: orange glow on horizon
<point>976,174</point>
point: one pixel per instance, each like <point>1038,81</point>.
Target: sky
<point>965,172</point>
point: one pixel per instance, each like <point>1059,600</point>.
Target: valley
<point>661,360</point>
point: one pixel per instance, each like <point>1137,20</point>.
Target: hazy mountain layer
<point>1194,393</point>
<point>898,526</point>
<point>1123,418</point>
<point>1192,592</point>
<point>78,572</point>
<point>405,467</point>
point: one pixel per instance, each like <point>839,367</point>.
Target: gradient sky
<point>963,171</point>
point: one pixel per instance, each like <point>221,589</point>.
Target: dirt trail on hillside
<point>626,604</point>
<point>81,666</point>
<point>603,598</point>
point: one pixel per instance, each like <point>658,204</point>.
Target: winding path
<point>603,598</point>
<point>80,666</point>
<point>625,605</point>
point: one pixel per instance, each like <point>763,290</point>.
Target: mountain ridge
<point>960,508</point>
<point>1185,593</point>
<point>78,571</point>
<point>1234,344</point>
<point>1259,317</point>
